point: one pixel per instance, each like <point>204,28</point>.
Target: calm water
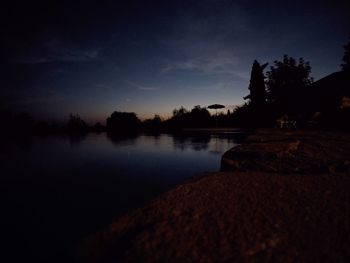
<point>58,189</point>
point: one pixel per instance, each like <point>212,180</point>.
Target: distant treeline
<point>284,95</point>
<point>20,123</point>
<point>197,117</point>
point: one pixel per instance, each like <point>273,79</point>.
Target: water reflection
<point>78,184</point>
<point>76,138</point>
<point>122,138</point>
<point>198,143</point>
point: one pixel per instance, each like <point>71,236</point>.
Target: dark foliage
<point>198,117</point>
<point>346,58</point>
<point>179,112</point>
<point>249,117</point>
<point>76,124</point>
<point>289,91</point>
<point>153,124</point>
<point>123,121</point>
<point>254,113</point>
<point>257,96</point>
<point>98,127</point>
<point>288,84</point>
<point>180,119</point>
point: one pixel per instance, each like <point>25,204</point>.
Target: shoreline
<point>258,208</point>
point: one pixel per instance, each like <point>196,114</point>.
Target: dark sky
<point>94,57</point>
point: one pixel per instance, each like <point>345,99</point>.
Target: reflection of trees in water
<point>155,136</point>
<point>234,137</point>
<point>220,143</point>
<point>213,143</point>
<point>76,138</point>
<point>196,143</point>
<point>217,143</point>
<point>200,143</point>
<point>122,138</point>
<point>179,142</point>
<point>225,141</point>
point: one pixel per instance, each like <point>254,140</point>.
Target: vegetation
<point>198,117</point>
<point>288,83</point>
<point>122,121</point>
<point>153,124</point>
<point>289,93</point>
<point>285,91</point>
<point>257,88</point>
<point>346,58</point>
<point>76,124</point>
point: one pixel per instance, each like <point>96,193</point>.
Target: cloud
<point>39,95</point>
<point>141,87</point>
<point>31,60</point>
<point>221,63</point>
<point>37,100</point>
<point>55,50</point>
<point>222,66</point>
<point>148,88</point>
<point>61,56</point>
<point>223,85</point>
<point>101,86</point>
<point>79,56</point>
<point>208,40</point>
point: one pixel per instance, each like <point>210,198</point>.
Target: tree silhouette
<point>199,117</point>
<point>182,118</point>
<point>179,112</point>
<point>257,89</point>
<point>156,119</point>
<point>122,121</point>
<point>287,85</point>
<point>346,58</point>
<point>153,124</point>
<point>75,123</point>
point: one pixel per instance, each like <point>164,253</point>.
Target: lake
<point>56,190</point>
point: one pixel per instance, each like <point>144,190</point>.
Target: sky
<point>94,57</point>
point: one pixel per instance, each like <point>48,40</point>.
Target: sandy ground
<point>247,214</point>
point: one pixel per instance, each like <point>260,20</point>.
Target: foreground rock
<point>237,217</point>
<point>291,152</point>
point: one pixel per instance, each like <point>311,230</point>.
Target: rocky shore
<point>288,152</point>
<point>280,197</point>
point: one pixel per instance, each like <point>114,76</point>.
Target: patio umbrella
<point>216,107</point>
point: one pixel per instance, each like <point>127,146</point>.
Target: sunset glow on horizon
<point>97,57</point>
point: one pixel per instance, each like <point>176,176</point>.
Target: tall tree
<point>287,85</point>
<point>346,58</point>
<point>257,89</point>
